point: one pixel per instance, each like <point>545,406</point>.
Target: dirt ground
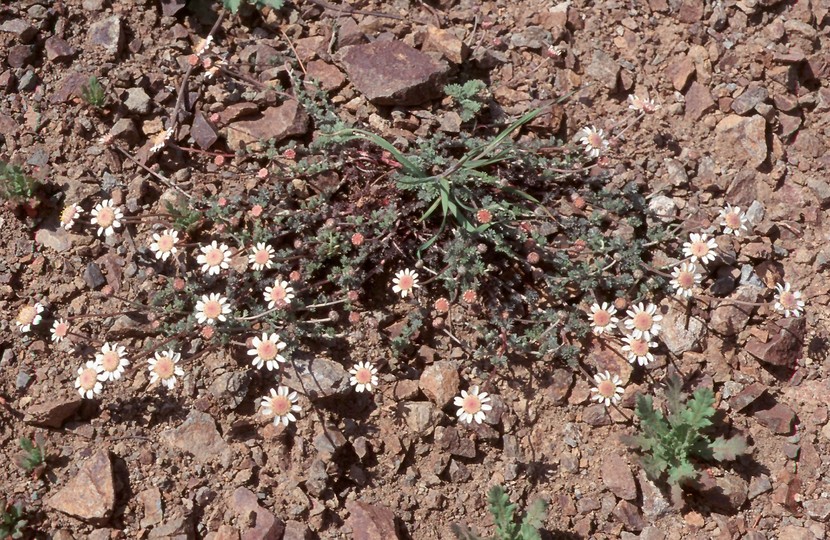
<point>743,120</point>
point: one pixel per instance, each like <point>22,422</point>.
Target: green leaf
<point>652,421</point>
<point>503,512</point>
<point>699,409</point>
<point>232,5</point>
<point>728,449</point>
<point>276,4</point>
<point>682,473</point>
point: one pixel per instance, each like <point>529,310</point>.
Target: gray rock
<point>108,34</point>
<point>450,440</point>
<point>197,436</point>
<point>231,388</point>
<point>317,479</point>
<point>604,69</point>
<point>93,277</point>
<point>24,31</point>
<point>759,485</point>
<point>817,508</point>
<point>137,101</point>
<point>277,123</point>
<point>150,500</point>
<point>90,494</point>
<point>28,81</point>
<point>530,37</point>
<point>682,333</point>
<point>318,378</point>
<point>752,96</point>
<point>170,7</point>
<point>58,49</point>
<point>22,380</point>
<point>179,527</point>
<point>655,504</point>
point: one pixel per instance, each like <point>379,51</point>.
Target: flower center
<point>277,293</point>
<point>214,257</point>
<point>27,315</point>
<point>700,249</point>
<point>686,280</point>
<point>471,404</point>
<point>212,309</point>
<point>281,405</point>
<point>68,214</point>
<point>606,389</point>
<point>643,321</point>
<point>363,376</point>
<point>602,318</point>
<point>267,350</point>
<point>405,282</point>
<point>594,140</point>
<point>733,220</point>
<point>261,256</point>
<point>105,216</point>
<point>788,300</point>
<point>164,367</point>
<point>61,329</point>
<point>88,378</point>
<point>165,243</point>
<point>639,347</point>
<point>110,361</point>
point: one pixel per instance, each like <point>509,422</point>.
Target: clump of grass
<point>508,524</point>
<point>15,185</point>
<point>93,93</point>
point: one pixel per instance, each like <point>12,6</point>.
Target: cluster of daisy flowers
<point>111,362</point>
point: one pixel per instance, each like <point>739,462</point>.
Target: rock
<point>329,441</point>
<point>794,532</point>
<point>446,43</point>
<point>197,436</point>
<point>349,33</point>
<point>754,94</point>
<point>126,131</point>
<point>170,7</point>
<point>785,343</point>
<point>604,69</point>
<point>759,485</point>
<point>70,86</point>
<point>451,441</point>
<point>629,516</point>
<point>743,137</point>
<point>137,101</point>
<point>406,389</point>
<point>789,123</point>
<point>817,508</point>
<point>203,131</point>
<point>393,73</point>
<point>318,478</point>
<point>681,73</point>
<point>779,419</point>
<point>618,478</point>
<point>560,385</point>
<point>150,500</point>
<point>231,388</point>
<point>730,319</point>
<point>108,34</point>
<point>93,277</point>
<point>655,504</point>
<point>318,378</point>
<point>420,416</point>
<point>277,123</point>
<point>371,522</point>
<point>690,11</point>
<point>54,412</point>
<point>90,495</point>
<point>294,530</point>
<point>439,382</point>
<point>681,333</point>
<point>57,239</point>
<point>747,396</point>
<point>264,526</point>
<point>596,414</point>
<point>178,528</point>
<point>20,55</point>
<point>28,81</point>
<point>58,49</point>
<point>22,380</point>
<point>698,101</point>
<point>24,31</point>
<point>329,75</point>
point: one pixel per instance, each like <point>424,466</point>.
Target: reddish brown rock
<point>197,436</point>
<point>744,138</point>
<point>785,343</point>
<point>618,478</point>
<point>277,123</point>
<point>53,413</point>
<point>90,495</point>
<point>681,72</point>
<point>440,381</point>
<point>371,522</point>
<point>329,75</point>
<point>698,101</point>
<point>779,418</point>
<point>446,43</point>
<point>747,396</point>
<point>264,525</point>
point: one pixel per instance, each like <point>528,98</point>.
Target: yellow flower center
<point>471,404</point>
<point>281,405</point>
<point>363,376</point>
<point>105,216</point>
<point>212,309</point>
<point>267,350</point>
<point>165,367</point>
<point>607,388</point>
<point>27,315</point>
<point>88,378</point>
<point>214,257</point>
<point>110,361</point>
<point>643,321</point>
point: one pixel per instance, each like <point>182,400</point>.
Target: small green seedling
<point>234,5</point>
<point>15,185</point>
<point>33,455</point>
<point>93,93</point>
<point>12,522</point>
<point>468,96</point>
<point>504,517</point>
<point>184,217</point>
<point>671,444</point>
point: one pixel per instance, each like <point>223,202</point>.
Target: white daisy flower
<point>60,329</point>
<point>260,256</point>
<point>107,216</point>
<point>112,361</point>
<point>638,350</point>
<point>281,404</point>
<point>364,376</point>
<point>88,383</point>
<point>684,279</point>
<point>608,389</point>
<point>203,45</point>
<point>700,248</point>
<point>405,282</point>
<point>70,213</point>
<point>642,321</point>
<point>602,318</point>
<point>788,301</point>
<point>639,104</point>
<point>280,294</point>
<point>733,220</point>
<point>214,258</point>
<point>266,351</point>
<point>594,141</point>
<point>29,316</point>
<point>164,244</point>
<point>160,140</point>
<point>472,405</point>
<point>164,367</point>
<point>211,308</point>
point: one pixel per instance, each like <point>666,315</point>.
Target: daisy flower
<point>107,216</point>
<point>684,279</point>
<point>594,141</point>
<point>87,382</point>
<point>112,361</point>
<point>602,318</point>
<point>645,105</point>
<point>609,389</point>
<point>211,308</point>
<point>281,404</point>
<point>638,349</point>
<point>266,351</point>
<point>700,248</point>
<point>60,329</point>
<point>733,220</point>
<point>203,45</point>
<point>788,301</point>
<point>164,368</point>
<point>70,213</point>
<point>164,244</point>
<point>472,405</point>
<point>280,294</point>
<point>405,282</point>
<point>160,139</point>
<point>260,257</point>
<point>29,316</point>
<point>214,258</point>
<point>642,321</point>
<point>364,376</point>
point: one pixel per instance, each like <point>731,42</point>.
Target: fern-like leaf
<point>699,410</point>
<point>728,449</point>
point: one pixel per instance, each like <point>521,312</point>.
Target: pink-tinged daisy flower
<point>638,350</point>
<point>642,321</point>
<point>211,308</point>
<point>214,258</point>
<point>107,216</point>
<point>602,318</point>
<point>164,244</point>
<point>29,316</point>
<point>260,256</point>
<point>594,141</point>
<point>112,361</point>
<point>164,367</point>
<point>700,248</point>
<point>733,220</point>
<point>279,295</point>
<point>70,213</point>
<point>88,382</point>
<point>639,104</point>
<point>266,351</point>
<point>608,389</point>
<point>161,139</point>
<point>364,376</point>
<point>684,279</point>
<point>60,329</point>
<point>281,404</point>
<point>405,282</point>
<point>788,301</point>
<point>472,405</point>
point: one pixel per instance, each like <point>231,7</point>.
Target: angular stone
<point>450,440</point>
<point>108,34</point>
<point>24,31</point>
<point>179,527</point>
<point>779,419</point>
<point>629,515</point>
<point>90,495</point>
<point>596,414</point>
<point>728,318</point>
<point>371,522</point>
<point>604,69</point>
<point>264,525</point>
<point>754,94</point>
<point>54,412</point>
<point>197,436</point>
<point>318,378</point>
<point>57,239</point>
<point>744,138</point>
<point>682,333</point>
<point>726,493</point>
<point>817,508</point>
<point>789,124</point>
<point>126,131</point>
<point>785,343</point>
<point>447,43</point>
<point>93,276</point>
<point>294,530</point>
<point>58,49</point>
<point>698,101</point>
<point>329,441</point>
<point>277,123</point>
<point>439,382</point>
<point>138,101</point>
<point>747,396</point>
<point>655,504</point>
<point>618,478</point>
<point>420,416</point>
<point>203,131</point>
<point>329,75</point>
<point>170,7</point>
<point>690,11</point>
<point>393,73</point>
<point>150,500</point>
<point>20,55</point>
<point>680,73</point>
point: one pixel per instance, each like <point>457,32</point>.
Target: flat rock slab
<point>90,495</point>
<point>197,436</point>
<point>108,34</point>
<point>371,522</point>
<point>393,73</point>
<point>785,343</point>
<point>278,123</point>
<point>53,413</point>
<point>744,138</point>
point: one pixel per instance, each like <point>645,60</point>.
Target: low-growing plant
<point>93,93</point>
<point>234,5</point>
<point>671,444</point>
<point>33,455</point>
<point>508,526</point>
<point>468,96</point>
<point>12,520</point>
<point>15,185</point>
